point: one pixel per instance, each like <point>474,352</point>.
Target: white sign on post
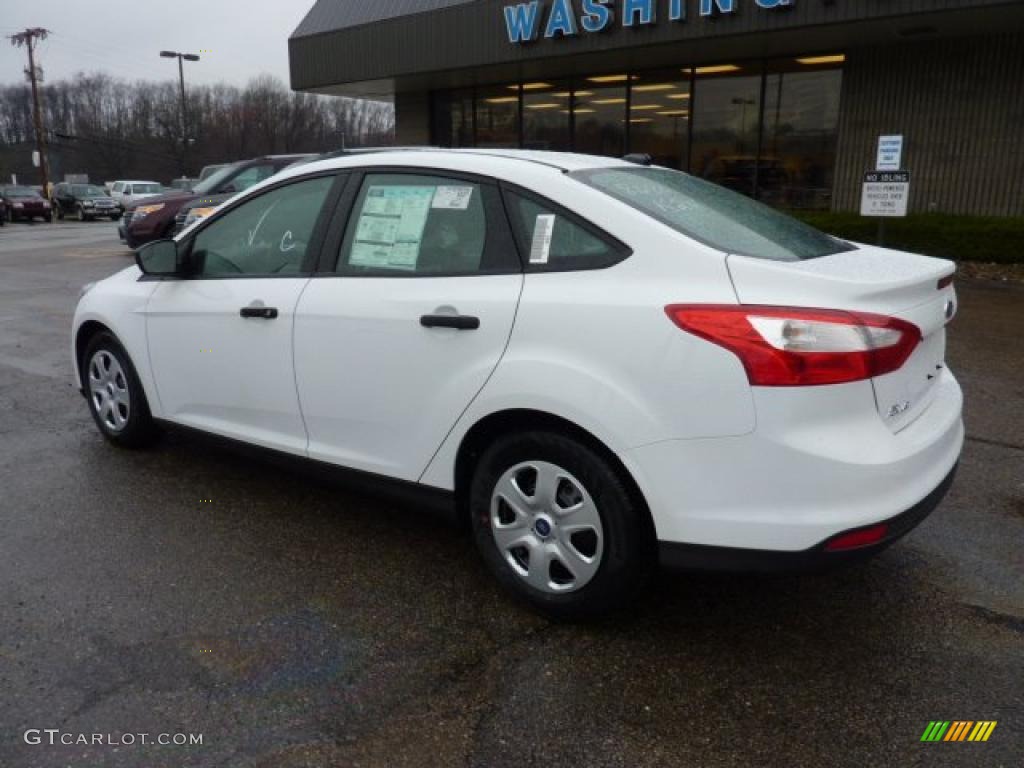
<point>35,158</point>
<point>885,193</point>
<point>890,153</point>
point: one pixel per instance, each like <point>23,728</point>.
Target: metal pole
<point>184,119</point>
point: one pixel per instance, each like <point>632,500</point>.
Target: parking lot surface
<point>292,622</point>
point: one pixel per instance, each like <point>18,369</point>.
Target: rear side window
<point>712,214</point>
<point>552,240</point>
<point>408,225</point>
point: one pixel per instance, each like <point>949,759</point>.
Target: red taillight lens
<point>863,538</point>
<point>794,347</point>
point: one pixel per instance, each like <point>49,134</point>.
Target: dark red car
<point>24,204</point>
<point>153,218</point>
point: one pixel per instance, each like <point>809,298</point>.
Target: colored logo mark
<point>958,730</point>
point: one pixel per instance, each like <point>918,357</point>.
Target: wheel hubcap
<point>547,527</point>
<point>109,391</point>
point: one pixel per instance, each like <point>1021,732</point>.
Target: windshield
<point>88,191</point>
<point>714,215</point>
<point>20,192</point>
<point>208,185</point>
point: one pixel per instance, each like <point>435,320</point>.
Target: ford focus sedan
<point>600,366</point>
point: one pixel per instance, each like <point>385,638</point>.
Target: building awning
<point>375,49</point>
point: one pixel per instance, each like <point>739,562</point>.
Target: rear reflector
<point>795,347</point>
<point>865,537</point>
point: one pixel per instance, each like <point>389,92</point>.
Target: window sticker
<point>453,198</point>
<point>543,231</point>
<point>390,228</point>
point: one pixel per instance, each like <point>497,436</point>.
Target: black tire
<point>139,430</point>
<point>627,560</point>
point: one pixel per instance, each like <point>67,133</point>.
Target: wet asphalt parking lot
<point>293,622</point>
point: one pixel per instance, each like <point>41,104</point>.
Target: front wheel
<point>557,525</point>
<point>117,400</point>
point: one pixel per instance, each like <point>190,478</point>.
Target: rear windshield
<point>712,214</point>
<point>146,189</point>
<point>20,192</point>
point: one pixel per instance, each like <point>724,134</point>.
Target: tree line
<point>109,128</point>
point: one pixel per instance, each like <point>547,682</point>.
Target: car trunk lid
<point>868,279</point>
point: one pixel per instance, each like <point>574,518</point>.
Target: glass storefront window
<point>726,115</point>
<point>497,117</point>
<point>801,119</point>
<point>599,112</point>
<point>708,120</point>
<point>546,118</point>
<point>659,117</point>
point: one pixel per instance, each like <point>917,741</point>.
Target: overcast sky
<point>244,38</point>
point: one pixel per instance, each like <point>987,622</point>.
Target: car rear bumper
<point>809,471</point>
<point>677,556</point>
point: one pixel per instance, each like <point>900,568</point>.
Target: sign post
<point>886,189</point>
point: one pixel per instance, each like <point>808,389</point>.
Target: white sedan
<point>601,365</point>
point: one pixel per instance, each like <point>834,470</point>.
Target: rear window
<point>712,214</point>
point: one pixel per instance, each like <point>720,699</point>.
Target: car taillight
<point>864,537</point>
<point>794,347</point>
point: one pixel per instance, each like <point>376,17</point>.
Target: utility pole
<point>28,39</point>
<point>182,57</point>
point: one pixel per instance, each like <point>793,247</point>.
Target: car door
<point>220,342</point>
<point>409,318</point>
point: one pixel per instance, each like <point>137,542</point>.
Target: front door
<point>394,344</point>
<point>220,343</point>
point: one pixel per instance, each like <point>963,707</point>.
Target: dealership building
<point>784,100</point>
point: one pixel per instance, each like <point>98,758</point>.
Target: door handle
<point>458,322</point>
<point>259,313</point>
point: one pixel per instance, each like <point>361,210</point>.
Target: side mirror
<point>159,259</point>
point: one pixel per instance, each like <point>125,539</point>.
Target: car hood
<point>169,197</point>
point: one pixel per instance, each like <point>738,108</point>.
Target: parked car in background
<point>84,202</point>
<point>209,170</point>
<point>599,365</point>
<point>154,219</point>
<point>185,185</point>
<point>3,212</point>
<point>24,204</point>
<point>128,192</point>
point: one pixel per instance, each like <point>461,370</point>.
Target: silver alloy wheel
<point>109,390</point>
<point>547,527</point>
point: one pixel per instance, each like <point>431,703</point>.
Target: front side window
<point>554,242</point>
<point>406,225</point>
<point>713,214</point>
<point>266,236</point>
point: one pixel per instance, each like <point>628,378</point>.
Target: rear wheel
<point>117,400</point>
<point>557,526</point>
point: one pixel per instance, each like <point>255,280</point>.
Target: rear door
<point>411,315</point>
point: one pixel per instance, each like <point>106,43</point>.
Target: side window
<point>265,236</point>
<point>250,177</point>
<point>405,225</point>
<point>554,242</point>
<point>118,187</point>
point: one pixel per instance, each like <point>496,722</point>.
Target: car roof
<point>488,162</point>
<point>135,181</point>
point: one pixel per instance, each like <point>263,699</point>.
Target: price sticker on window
<point>543,233</point>
<point>452,198</point>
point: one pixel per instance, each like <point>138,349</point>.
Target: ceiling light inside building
<point>838,58</point>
